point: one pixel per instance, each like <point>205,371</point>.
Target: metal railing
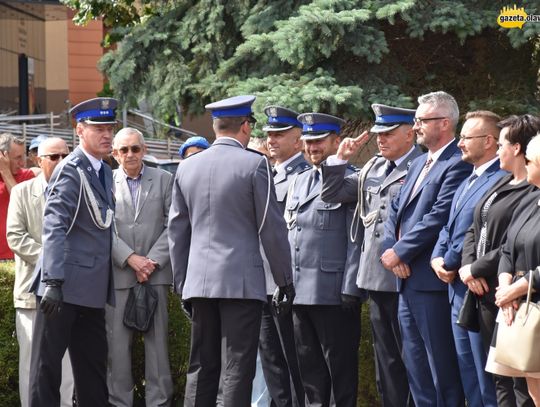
<point>29,126</point>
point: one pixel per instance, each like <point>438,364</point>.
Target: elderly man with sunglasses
<point>140,255</point>
<point>24,222</point>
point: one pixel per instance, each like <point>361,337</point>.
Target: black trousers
<point>510,391</point>
<point>81,330</point>
<point>327,339</point>
<point>234,324</point>
<point>391,375</point>
<point>278,358</point>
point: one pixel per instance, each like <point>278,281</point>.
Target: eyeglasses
<point>54,157</point>
<point>421,120</point>
<point>471,137</point>
<point>134,149</point>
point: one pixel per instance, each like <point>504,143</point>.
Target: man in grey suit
<point>276,343</point>
<point>223,204</point>
<point>24,222</point>
<point>73,278</point>
<point>326,309</point>
<point>378,183</point>
<point>140,255</point>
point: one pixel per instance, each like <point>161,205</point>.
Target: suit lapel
<point>146,186</point>
<point>37,192</point>
<point>414,173</point>
<point>124,192</point>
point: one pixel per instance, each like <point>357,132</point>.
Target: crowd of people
<point>273,254</point>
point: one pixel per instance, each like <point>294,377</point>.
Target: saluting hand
<point>349,146</point>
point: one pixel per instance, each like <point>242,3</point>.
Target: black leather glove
<point>186,308</point>
<point>349,302</point>
<point>52,299</point>
<point>283,297</point>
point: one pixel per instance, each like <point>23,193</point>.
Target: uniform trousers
<point>278,358</point>
<point>157,375</point>
<point>25,319</point>
<point>234,324</point>
<point>429,352</point>
<point>391,375</point>
<point>82,331</point>
<point>327,339</point>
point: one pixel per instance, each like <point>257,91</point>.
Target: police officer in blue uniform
<point>373,190</point>
<point>326,309</point>
<point>276,342</point>
<point>223,205</point>
<point>73,279</point>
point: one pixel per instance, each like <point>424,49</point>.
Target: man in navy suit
<point>478,143</point>
<point>411,231</point>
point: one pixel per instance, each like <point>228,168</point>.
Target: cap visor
<point>277,128</point>
<point>88,121</point>
<point>379,128</point>
<point>313,136</point>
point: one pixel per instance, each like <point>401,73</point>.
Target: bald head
<point>50,153</point>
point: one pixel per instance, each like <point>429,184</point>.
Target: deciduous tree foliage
<point>335,56</point>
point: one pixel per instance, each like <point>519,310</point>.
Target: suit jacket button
<point>297,268</point>
<point>377,234</point>
<point>297,249</point>
<point>299,228</point>
<point>379,220</point>
<point>383,206</point>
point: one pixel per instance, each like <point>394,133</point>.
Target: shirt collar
<point>403,157</point>
<point>233,139</point>
<point>480,170</point>
<point>137,177</point>
<point>96,163</point>
<point>281,166</point>
<point>435,156</point>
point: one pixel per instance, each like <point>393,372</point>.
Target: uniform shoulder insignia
<point>254,151</point>
<point>304,169</point>
<point>75,161</point>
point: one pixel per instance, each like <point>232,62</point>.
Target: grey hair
<point>6,139</point>
<point>443,101</point>
<point>126,131</point>
<point>46,143</point>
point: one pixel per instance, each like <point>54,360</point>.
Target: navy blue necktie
<point>390,165</point>
<point>101,175</point>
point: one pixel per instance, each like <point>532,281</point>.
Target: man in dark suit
<point>325,262</point>
<point>478,143</point>
<point>74,278</point>
<point>276,343</point>
<point>223,205</point>
<point>411,231</point>
<point>379,181</point>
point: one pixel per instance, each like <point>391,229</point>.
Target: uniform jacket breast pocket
<point>328,215</point>
<point>80,260</point>
<point>370,192</point>
<point>332,266</point>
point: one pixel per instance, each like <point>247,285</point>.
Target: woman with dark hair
<point>481,247</point>
<point>520,257</point>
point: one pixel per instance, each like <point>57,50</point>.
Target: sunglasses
<point>126,149</point>
<point>54,157</point>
